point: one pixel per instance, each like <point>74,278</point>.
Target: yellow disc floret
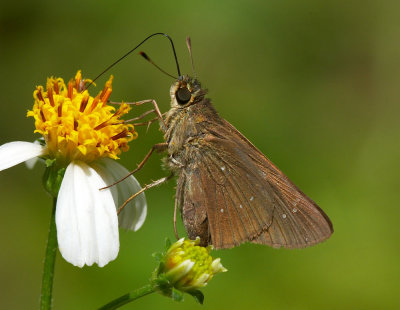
<point>75,125</point>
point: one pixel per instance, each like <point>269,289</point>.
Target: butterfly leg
<point>159,147</point>
<point>156,109</point>
<point>148,123</point>
<point>146,187</point>
<point>175,208</point>
<point>141,116</point>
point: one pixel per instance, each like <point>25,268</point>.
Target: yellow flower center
<point>77,126</point>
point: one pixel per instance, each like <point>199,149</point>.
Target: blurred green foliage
<point>314,84</point>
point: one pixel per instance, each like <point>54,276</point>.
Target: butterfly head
<point>186,91</point>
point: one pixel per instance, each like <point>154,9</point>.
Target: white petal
<point>178,272</point>
<point>87,223</point>
<point>217,266</point>
<point>13,153</point>
<point>30,163</point>
<point>134,213</point>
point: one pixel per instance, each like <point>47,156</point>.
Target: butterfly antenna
<point>189,46</point>
<point>129,52</point>
<point>145,56</point>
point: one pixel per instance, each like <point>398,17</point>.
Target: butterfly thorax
<point>188,123</point>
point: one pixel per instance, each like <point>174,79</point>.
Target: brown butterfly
<point>228,192</point>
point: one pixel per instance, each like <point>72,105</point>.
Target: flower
<point>82,136</point>
<point>186,267</point>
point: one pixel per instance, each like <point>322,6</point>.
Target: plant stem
<point>49,262</point>
<point>124,299</point>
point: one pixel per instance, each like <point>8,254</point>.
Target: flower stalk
<point>127,298</point>
<point>49,262</point>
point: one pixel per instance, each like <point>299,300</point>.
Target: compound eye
<point>183,95</point>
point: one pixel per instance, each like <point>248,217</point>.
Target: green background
<point>313,84</point>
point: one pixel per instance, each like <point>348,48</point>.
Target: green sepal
<point>52,178</point>
<point>167,244</point>
<point>41,141</point>
<point>161,266</point>
<point>158,257</point>
<point>50,162</point>
<point>161,284</point>
<point>197,295</point>
<point>176,295</point>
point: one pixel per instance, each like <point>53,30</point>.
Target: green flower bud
<point>188,267</point>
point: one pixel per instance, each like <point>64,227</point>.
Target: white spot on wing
<point>222,210</point>
<point>251,198</point>
<point>294,210</point>
<point>241,207</point>
<point>284,215</point>
<point>223,168</point>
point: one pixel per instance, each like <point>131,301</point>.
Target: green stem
<point>124,299</point>
<point>49,262</point>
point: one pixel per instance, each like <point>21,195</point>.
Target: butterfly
<point>228,191</point>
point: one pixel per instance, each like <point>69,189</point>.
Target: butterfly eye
<point>183,95</point>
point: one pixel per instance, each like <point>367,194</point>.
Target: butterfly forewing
<point>304,212</point>
<point>231,193</point>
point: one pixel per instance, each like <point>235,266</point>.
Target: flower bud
<point>188,266</point>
